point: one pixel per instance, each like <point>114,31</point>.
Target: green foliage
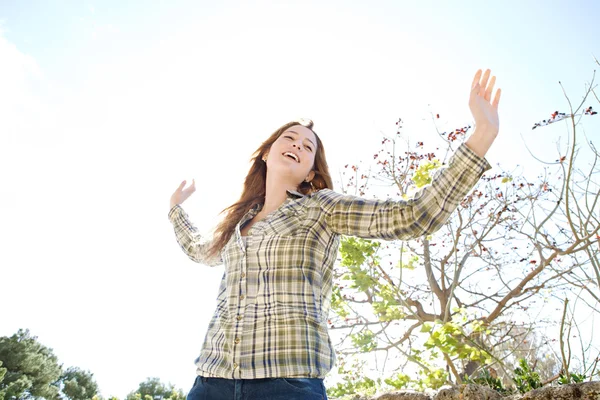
<point>450,338</point>
<point>485,378</point>
<point>411,264</point>
<point>355,251</point>
<point>399,381</point>
<point>98,397</point>
<point>355,382</point>
<point>78,384</point>
<point>565,379</point>
<point>525,378</point>
<point>2,373</point>
<point>154,389</point>
<point>31,369</point>
<point>386,305</point>
<point>365,385</point>
<point>422,175</point>
<point>433,379</point>
<point>360,258</point>
<point>338,304</point>
<point>364,341</point>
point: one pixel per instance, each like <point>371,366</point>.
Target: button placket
<point>236,350</point>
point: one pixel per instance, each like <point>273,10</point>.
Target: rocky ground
<point>586,391</point>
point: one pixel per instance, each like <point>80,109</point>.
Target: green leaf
<point>422,175</point>
<point>364,341</point>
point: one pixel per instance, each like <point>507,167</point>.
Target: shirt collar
<point>293,193</point>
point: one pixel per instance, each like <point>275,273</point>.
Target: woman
<point>268,337</point>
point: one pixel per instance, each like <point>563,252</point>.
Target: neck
<point>275,193</point>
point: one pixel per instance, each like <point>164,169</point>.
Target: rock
<point>403,395</point>
<point>468,392</point>
<point>579,391</point>
<point>583,391</point>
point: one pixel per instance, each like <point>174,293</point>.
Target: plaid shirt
<point>274,298</point>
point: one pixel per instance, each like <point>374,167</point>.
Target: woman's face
<point>293,153</point>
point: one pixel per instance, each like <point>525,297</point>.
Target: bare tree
<point>477,292</point>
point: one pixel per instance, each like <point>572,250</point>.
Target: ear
<point>311,176</point>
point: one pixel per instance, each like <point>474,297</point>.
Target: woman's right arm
<point>190,241</point>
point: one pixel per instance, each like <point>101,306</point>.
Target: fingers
<point>497,98</point>
<point>190,189</point>
<point>489,89</point>
<point>483,88</point>
<point>484,82</point>
<point>182,187</point>
<point>476,79</point>
<point>182,193</point>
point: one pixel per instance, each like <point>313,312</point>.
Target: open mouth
<point>292,156</point>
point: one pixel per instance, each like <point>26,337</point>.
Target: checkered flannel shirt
<point>274,297</point>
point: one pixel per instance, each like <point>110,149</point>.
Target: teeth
<point>295,157</point>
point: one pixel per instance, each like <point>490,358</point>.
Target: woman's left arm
<point>423,214</point>
<point>431,206</point>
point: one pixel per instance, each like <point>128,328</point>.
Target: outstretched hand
<point>180,194</point>
<point>485,112</point>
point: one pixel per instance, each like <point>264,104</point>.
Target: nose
<point>297,146</point>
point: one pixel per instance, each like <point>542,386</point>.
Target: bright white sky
<point>106,106</point>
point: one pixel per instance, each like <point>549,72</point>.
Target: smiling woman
<point>268,338</point>
<point>308,174</point>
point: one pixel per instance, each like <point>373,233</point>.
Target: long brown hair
<point>255,185</point>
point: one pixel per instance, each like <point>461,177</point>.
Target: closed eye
<point>307,147</point>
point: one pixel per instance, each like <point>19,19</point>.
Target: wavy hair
<point>255,185</point>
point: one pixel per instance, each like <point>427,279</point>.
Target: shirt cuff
<point>465,158</point>
<point>176,209</point>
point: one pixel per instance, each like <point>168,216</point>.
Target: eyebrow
<point>313,143</point>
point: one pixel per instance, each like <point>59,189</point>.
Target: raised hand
<point>485,112</point>
<point>180,194</point>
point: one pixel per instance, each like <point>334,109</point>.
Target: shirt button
<point>239,317</point>
<point>242,297</point>
<point>237,340</point>
<point>243,274</point>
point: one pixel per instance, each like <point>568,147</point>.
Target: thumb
<point>182,185</point>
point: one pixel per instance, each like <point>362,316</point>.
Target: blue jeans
<point>257,389</point>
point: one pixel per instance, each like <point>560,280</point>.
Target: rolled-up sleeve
<point>190,241</point>
<point>420,215</point>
